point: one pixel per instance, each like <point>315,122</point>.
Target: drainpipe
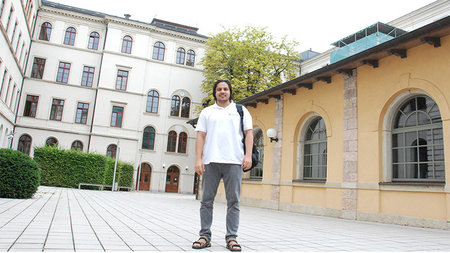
<point>96,90</point>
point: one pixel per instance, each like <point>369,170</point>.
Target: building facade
<point>114,86</point>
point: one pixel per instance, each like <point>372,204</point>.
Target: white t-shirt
<point>222,126</point>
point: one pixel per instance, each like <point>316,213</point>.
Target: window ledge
<point>317,181</point>
<point>412,183</point>
<point>252,179</point>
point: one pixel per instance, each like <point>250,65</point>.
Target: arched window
<point>24,144</point>
<point>148,138</point>
<point>127,43</point>
<point>258,137</point>
<point>175,106</point>
<point>172,141</point>
<point>180,55</point>
<point>158,51</point>
<point>190,60</point>
<point>185,107</point>
<point>77,145</point>
<point>111,150</point>
<point>93,40</point>
<point>418,141</point>
<point>46,31</point>
<point>315,150</point>
<point>182,143</point>
<point>152,101</point>
<point>69,39</point>
<point>52,141</point>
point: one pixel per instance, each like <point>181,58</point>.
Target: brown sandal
<point>233,245</point>
<point>200,244</point>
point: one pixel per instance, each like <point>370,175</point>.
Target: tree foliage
<point>250,58</point>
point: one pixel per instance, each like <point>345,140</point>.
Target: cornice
<point>72,14</point>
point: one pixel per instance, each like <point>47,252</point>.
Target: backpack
<point>255,151</point>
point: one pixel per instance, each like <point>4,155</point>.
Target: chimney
<point>127,16</point>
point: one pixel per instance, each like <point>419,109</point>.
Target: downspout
<point>96,90</point>
<point>23,79</point>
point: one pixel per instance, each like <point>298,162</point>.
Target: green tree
<point>250,58</point>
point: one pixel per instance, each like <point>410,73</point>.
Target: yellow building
<point>366,138</point>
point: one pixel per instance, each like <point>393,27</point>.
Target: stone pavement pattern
<point>61,219</point>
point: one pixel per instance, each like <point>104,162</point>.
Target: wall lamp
<point>272,134</point>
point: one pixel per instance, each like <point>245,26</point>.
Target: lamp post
<point>10,138</point>
<point>115,165</point>
<point>139,174</point>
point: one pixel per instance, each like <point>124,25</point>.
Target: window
<point>117,115</point>
<point>127,43</point>
<point>94,38</point>
<point>122,79</point>
<point>88,76</point>
<point>190,58</point>
<point>257,172</point>
<point>418,141</point>
<point>24,144</point>
<point>17,43</point>
<point>82,113</point>
<point>172,141</point>
<point>175,107</point>
<point>2,7</point>
<point>180,55</point>
<point>315,151</point>
<point>14,31</point>
<point>5,73</point>
<point>69,39</point>
<point>182,142</point>
<point>38,68</point>
<point>11,11</point>
<point>111,151</point>
<point>152,101</point>
<point>63,72</point>
<point>185,107</point>
<point>148,139</point>
<point>77,145</point>
<point>52,141</point>
<point>31,106</point>
<point>46,31</point>
<point>158,51</point>
<point>57,109</point>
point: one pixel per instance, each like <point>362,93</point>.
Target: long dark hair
<point>229,87</point>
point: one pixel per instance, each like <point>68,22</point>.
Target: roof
<point>156,22</point>
<point>430,33</point>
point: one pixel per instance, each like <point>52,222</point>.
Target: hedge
<point>68,168</point>
<point>19,174</point>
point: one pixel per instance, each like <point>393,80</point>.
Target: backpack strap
<point>241,113</point>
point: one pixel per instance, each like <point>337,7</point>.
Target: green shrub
<point>68,168</point>
<point>124,173</point>
<point>19,175</point>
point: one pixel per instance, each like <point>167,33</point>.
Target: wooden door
<point>172,179</point>
<point>146,174</point>
<point>196,181</point>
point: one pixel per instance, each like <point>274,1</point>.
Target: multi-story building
<point>114,86</point>
<point>17,19</point>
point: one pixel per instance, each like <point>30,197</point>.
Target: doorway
<point>146,174</point>
<point>172,178</point>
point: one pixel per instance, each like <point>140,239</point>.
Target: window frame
<point>152,106</point>
<point>57,109</point>
<point>117,116</point>
<point>77,145</point>
<point>123,79</point>
<point>182,143</point>
<point>190,58</point>
<point>24,146</point>
<point>94,39</point>
<point>149,134</point>
<point>127,44</point>
<point>63,72</point>
<point>31,105</point>
<point>172,141</point>
<point>181,55</point>
<point>51,141</point>
<point>159,50</point>
<point>111,150</point>
<point>87,78</point>
<point>175,105</point>
<point>70,36</point>
<point>81,113</point>
<point>37,71</point>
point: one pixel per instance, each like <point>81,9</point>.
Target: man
<point>220,154</point>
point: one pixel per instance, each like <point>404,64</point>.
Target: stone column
<point>276,162</point>
<point>350,173</point>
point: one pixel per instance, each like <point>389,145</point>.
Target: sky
<point>315,24</point>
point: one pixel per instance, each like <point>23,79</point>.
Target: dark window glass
<point>24,144</point>
<point>77,145</point>
<point>46,31</point>
<point>127,43</point>
<point>148,138</point>
<point>315,151</point>
<point>171,141</point>
<point>57,109</point>
<point>180,55</point>
<point>182,142</point>
<point>175,106</point>
<point>185,107</point>
<point>122,79</point>
<point>63,72</point>
<point>111,151</point>
<point>117,115</point>
<point>88,76</point>
<point>38,68</point>
<point>31,106</point>
<point>152,101</point>
<point>190,60</point>
<point>51,142</point>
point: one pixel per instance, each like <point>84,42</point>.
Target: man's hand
<point>199,167</point>
<point>247,162</point>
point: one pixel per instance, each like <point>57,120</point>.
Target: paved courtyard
<point>61,219</point>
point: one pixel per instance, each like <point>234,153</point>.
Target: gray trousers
<point>232,177</point>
